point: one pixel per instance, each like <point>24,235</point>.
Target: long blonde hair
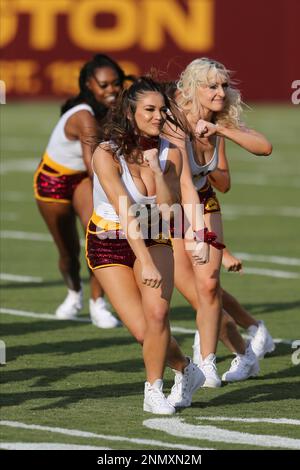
<point>200,72</point>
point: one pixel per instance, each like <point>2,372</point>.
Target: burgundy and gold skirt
<point>106,244</point>
<point>209,199</point>
<point>55,183</point>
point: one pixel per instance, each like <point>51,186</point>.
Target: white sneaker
<point>242,367</point>
<point>197,359</point>
<point>185,385</point>
<point>261,342</point>
<point>209,370</point>
<point>71,305</point>
<point>155,401</point>
<point>100,315</point>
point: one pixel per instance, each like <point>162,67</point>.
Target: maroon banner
<point>44,42</point>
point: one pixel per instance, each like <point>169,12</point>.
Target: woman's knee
<point>209,287</point>
<point>158,314</point>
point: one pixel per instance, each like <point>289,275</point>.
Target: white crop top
<point>200,172</point>
<point>104,208</point>
<point>62,150</point>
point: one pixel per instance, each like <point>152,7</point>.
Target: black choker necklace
<point>147,143</point>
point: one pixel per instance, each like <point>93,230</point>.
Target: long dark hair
<point>170,89</point>
<point>85,95</point>
<point>121,128</point>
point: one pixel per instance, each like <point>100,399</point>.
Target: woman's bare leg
<point>61,221</point>
<point>158,348</point>
<point>120,286</point>
<point>127,302</point>
<point>185,283</point>
<point>83,205</point>
<point>207,279</point>
<point>237,311</point>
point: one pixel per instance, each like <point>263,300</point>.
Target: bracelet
<point>205,236</point>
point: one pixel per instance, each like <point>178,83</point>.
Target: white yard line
<point>177,427</point>
<point>22,165</point>
<point>19,278</point>
<point>292,422</point>
<point>13,143</point>
<point>15,196</point>
<point>92,435</point>
<point>271,273</point>
<point>15,234</point>
<point>44,237</point>
<point>48,316</point>
<point>233,210</point>
<point>46,446</point>
<point>31,236</point>
<point>179,329</point>
<point>9,216</point>
<point>262,180</point>
<point>269,259</point>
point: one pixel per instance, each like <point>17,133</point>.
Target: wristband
<point>205,236</point>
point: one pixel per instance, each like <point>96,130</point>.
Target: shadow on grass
<point>269,307</point>
<point>256,393</point>
<point>31,285</point>
<point>280,350</point>
<point>65,348</point>
<point>187,312</point>
<point>65,398</point>
<point>36,285</point>
<point>46,376</point>
<point>21,328</point>
<point>246,393</point>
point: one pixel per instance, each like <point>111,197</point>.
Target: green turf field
<point>73,376</point>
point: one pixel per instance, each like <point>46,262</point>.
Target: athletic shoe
<point>100,315</point>
<point>186,383</point>
<point>71,306</point>
<point>209,369</point>
<point>243,366</point>
<point>261,342</point>
<point>197,359</point>
<point>155,401</point>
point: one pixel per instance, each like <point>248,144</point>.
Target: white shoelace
<point>157,397</point>
<point>211,366</point>
<point>239,362</point>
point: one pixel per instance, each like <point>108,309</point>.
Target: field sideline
<point>70,385</point>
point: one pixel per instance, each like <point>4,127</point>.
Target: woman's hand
<point>205,128</point>
<point>152,160</point>
<point>200,254</point>
<point>151,277</point>
<point>231,263</point>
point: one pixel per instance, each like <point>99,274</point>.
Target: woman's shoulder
<point>108,145</point>
<point>106,154</point>
<point>82,108</point>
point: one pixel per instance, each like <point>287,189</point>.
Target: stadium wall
<point>44,42</point>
